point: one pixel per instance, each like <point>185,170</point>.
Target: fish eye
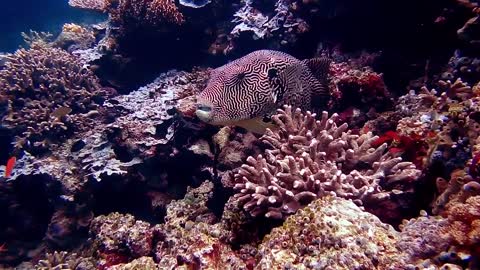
<point>267,119</point>
<point>241,76</point>
<point>272,73</point>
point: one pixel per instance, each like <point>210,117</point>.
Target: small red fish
<point>9,167</point>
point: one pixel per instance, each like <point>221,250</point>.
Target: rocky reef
<point>106,165</point>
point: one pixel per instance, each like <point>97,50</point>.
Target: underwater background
<point>243,134</point>
<point>40,16</point>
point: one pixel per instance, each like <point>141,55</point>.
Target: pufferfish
<point>247,91</point>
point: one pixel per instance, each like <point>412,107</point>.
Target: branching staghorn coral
<point>33,37</point>
<point>312,158</point>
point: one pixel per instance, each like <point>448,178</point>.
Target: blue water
<point>40,15</point>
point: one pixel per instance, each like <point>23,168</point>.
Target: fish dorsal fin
<point>320,67</point>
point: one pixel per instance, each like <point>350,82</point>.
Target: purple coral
<point>311,158</point>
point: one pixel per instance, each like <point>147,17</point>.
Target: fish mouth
<point>204,112</point>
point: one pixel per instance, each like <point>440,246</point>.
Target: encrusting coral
<point>421,237</point>
<point>451,238</point>
<point>119,237</point>
<point>189,239</point>
<point>312,158</point>
<point>331,233</point>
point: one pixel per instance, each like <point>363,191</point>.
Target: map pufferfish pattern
<point>262,81</point>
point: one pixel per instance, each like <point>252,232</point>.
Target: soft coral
<point>410,148</point>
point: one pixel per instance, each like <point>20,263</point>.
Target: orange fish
<point>9,167</point>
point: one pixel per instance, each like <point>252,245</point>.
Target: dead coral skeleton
<point>312,158</point>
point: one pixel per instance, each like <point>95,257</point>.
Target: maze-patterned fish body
<point>245,92</point>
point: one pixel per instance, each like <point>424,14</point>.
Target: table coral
<point>312,158</point>
<point>331,233</point>
<point>98,5</point>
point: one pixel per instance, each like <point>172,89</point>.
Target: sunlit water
<point>41,15</point>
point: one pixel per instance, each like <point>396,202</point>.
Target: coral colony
<point>111,160</point>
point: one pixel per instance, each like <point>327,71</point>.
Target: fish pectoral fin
<point>289,79</point>
<point>256,125</point>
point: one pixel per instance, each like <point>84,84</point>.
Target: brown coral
<point>312,158</point>
<point>46,91</point>
<point>131,13</point>
<point>98,5</point>
<point>166,10</point>
<point>464,222</point>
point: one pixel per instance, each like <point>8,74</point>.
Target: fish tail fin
<point>320,67</point>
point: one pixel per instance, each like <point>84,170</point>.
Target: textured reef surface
<point>106,164</point>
